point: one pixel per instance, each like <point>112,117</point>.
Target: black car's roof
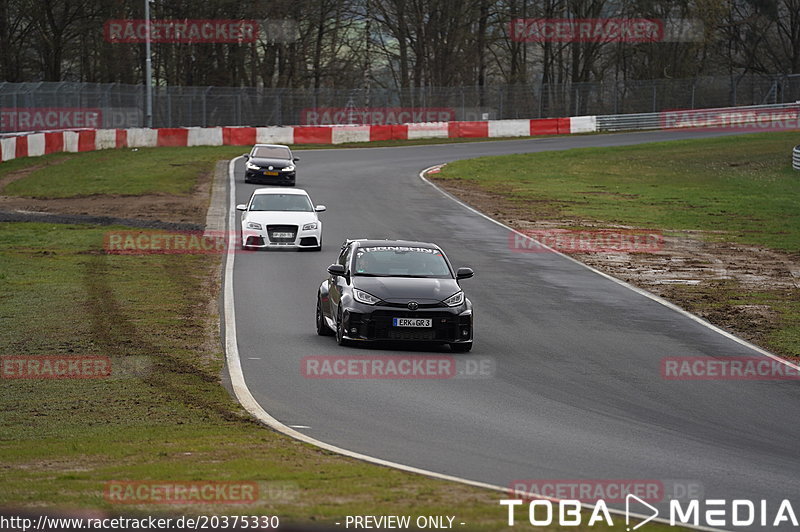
<point>404,243</point>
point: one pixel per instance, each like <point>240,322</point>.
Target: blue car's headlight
<point>364,297</point>
<point>454,300</point>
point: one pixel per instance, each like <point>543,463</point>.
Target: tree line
<point>397,43</point>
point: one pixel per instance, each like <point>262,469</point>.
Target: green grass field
<point>741,188</point>
<point>124,171</point>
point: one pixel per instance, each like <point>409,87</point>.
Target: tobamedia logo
<point>680,503</point>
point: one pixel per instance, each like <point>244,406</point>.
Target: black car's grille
<point>272,229</point>
<point>444,326</point>
<point>405,305</point>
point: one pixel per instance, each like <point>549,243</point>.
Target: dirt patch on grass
<point>190,208</point>
<point>734,286</point>
<point>25,172</point>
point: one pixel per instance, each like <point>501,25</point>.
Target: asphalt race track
<point>577,391</point>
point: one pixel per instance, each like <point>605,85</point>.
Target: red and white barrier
<point>509,128</point>
<point>274,135</point>
<point>583,124</point>
<point>35,144</point>
<point>148,138</point>
<point>427,130</point>
<point>345,134</point>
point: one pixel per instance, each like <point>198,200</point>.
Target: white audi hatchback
<point>277,218</point>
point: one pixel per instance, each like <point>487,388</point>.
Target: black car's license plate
<point>270,173</point>
<point>412,322</point>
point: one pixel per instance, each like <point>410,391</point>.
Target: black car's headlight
<point>364,297</point>
<point>251,166</point>
<point>454,300</point>
<point>289,168</point>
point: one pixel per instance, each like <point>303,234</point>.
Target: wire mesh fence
<point>64,105</point>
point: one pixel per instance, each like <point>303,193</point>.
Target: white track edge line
<point>246,399</point>
<point>636,289</point>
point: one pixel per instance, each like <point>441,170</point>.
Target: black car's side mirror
<point>246,156</point>
<point>296,160</point>
<point>464,273</point>
<point>336,269</point>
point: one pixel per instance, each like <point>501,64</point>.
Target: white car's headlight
<point>251,166</point>
<point>364,297</point>
<point>289,168</point>
<point>309,226</point>
<point>454,300</point>
<point>253,225</point>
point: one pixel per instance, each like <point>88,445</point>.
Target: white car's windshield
<point>272,152</point>
<point>281,202</point>
<point>400,261</point>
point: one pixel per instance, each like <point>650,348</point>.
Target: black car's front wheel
<point>461,348</point>
<point>322,327</point>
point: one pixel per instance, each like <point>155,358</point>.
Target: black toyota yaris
<point>395,290</point>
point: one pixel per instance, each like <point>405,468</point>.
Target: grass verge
<point>740,189</point>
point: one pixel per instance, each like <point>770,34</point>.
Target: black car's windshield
<point>271,152</point>
<point>400,261</point>
<point>281,202</point>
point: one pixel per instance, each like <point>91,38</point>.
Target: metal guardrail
<point>628,122</point>
<point>728,117</point>
<point>796,158</point>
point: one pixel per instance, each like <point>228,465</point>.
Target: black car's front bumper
<point>259,176</point>
<point>375,323</point>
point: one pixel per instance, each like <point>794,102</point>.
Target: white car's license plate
<point>412,322</point>
<point>282,235</point>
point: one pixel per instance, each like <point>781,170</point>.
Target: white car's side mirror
<point>320,208</point>
<point>241,207</point>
